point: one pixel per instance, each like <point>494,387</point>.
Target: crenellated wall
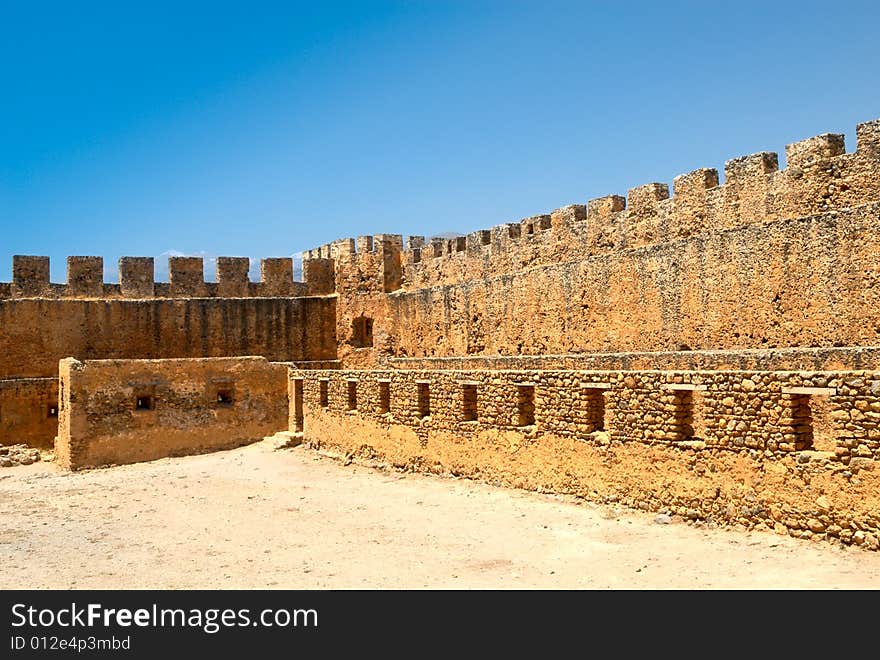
<point>795,451</point>
<point>819,177</point>
<point>138,318</point>
<point>767,259</point>
<point>186,279</point>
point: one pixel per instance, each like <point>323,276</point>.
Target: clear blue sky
<point>262,129</point>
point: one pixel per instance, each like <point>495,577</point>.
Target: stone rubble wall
<point>742,446</point>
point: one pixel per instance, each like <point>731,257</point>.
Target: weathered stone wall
<point>126,411</point>
<point>790,449</point>
<point>43,322</point>
<point>809,282</point>
<point>29,411</point>
<point>362,272</point>
<point>35,333</point>
<point>767,259</point>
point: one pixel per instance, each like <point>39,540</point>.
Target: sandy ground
<point>258,518</point>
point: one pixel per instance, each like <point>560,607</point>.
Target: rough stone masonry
<point>710,353</point>
<point>708,348</point>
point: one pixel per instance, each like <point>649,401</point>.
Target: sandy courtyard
<point>259,518</point>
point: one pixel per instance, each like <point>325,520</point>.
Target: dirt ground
<point>254,517</point>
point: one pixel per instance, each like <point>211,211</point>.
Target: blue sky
<point>263,129</point>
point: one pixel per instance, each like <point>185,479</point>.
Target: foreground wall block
<point>126,411</point>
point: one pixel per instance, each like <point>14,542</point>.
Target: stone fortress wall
<point>770,258</point>
<point>43,322</point>
<point>820,177</point>
<point>124,411</point>
<point>713,353</point>
<point>773,412</point>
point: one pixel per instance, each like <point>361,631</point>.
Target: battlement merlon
<point>693,185</point>
<point>136,277</point>
<point>344,248</point>
<point>276,278</point>
<point>477,240</point>
<point>815,150</point>
<point>746,170</point>
<point>868,139</point>
<point>232,277</point>
<point>186,276</point>
<point>414,248</point>
<point>391,248</point>
<point>563,219</point>
<point>319,276</point>
<point>30,275</point>
<point>85,276</point>
<point>643,200</point>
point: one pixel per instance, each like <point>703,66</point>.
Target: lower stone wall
<point>29,411</point>
<point>795,451</point>
<point>126,411</point>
